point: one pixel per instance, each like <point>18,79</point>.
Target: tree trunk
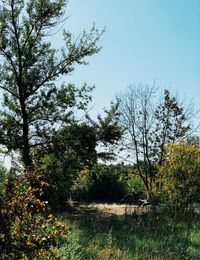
<point>26,155</point>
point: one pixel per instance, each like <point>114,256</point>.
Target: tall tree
<point>137,116</point>
<point>150,127</point>
<point>33,104</point>
<point>171,124</point>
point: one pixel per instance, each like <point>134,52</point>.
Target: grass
<point>149,235</point>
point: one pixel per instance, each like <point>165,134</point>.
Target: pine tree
<point>171,125</point>
<point>33,105</point>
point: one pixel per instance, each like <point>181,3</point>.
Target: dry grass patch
<point>116,209</point>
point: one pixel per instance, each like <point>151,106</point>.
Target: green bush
<point>59,173</point>
<point>101,184</point>
<point>72,148</point>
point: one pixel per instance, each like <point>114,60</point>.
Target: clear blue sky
<point>145,40</point>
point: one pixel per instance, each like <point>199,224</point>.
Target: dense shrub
<point>59,171</point>
<point>103,183</point>
<point>178,185</point>
<point>73,147</point>
<point>28,230</point>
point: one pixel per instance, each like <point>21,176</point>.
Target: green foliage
<point>74,148</point>
<point>28,230</point>
<point>81,139</point>
<point>60,170</point>
<point>171,125</point>
<point>179,183</point>
<point>33,104</point>
<point>132,180</point>
<point>103,183</point>
<point>3,175</point>
<point>109,130</point>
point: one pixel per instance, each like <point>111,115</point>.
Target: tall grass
<point>147,236</point>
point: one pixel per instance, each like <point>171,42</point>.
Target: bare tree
<point>137,115</point>
<point>150,125</point>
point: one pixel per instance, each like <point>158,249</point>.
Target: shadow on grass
<point>97,235</point>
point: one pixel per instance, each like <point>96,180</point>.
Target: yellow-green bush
<point>179,177</point>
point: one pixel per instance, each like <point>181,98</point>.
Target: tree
<point>34,106</point>
<point>150,127</point>
<point>171,125</point>
<point>137,116</point>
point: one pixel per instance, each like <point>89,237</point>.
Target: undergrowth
<point>148,236</point>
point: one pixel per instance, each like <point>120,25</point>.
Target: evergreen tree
<point>33,104</point>
<point>171,125</point>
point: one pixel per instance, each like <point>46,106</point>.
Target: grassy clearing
<point>98,235</point>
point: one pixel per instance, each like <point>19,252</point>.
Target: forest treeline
<point>142,141</point>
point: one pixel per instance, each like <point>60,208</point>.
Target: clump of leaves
<point>179,182</point>
<point>102,183</point>
<point>27,229</point>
